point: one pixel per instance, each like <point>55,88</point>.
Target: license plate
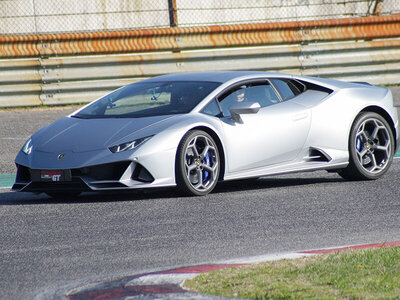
<point>52,175</point>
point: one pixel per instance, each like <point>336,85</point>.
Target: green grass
<point>365,274</point>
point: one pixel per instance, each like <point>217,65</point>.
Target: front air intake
<point>111,171</point>
<point>141,174</point>
<point>23,174</point>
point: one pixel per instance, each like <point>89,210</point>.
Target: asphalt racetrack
<point>49,246</point>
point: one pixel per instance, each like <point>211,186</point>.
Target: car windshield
<point>144,99</point>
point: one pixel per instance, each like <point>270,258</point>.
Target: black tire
<point>197,164</point>
<point>371,148</point>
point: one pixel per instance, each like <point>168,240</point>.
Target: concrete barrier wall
<point>43,16</point>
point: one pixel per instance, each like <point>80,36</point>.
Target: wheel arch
<point>386,116</point>
<point>217,139</point>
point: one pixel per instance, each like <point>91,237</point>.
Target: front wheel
<point>197,164</point>
<point>371,147</point>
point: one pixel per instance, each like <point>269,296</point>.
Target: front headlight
<point>27,147</point>
<point>129,145</point>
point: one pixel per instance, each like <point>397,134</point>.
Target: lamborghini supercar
<point>194,130</point>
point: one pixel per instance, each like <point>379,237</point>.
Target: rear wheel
<point>371,147</point>
<point>197,164</point>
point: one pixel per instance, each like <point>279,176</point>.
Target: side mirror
<point>242,109</point>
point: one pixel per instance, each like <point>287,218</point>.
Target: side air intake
<point>317,155</point>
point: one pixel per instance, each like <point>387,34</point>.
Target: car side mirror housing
<point>243,108</point>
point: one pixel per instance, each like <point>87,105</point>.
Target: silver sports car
<point>193,130</point>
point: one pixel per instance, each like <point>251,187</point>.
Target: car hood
<point>81,135</point>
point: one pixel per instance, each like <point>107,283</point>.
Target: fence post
<point>378,8</point>
<point>173,15</point>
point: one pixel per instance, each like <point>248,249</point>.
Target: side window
<point>263,93</point>
<point>211,108</point>
<point>288,88</point>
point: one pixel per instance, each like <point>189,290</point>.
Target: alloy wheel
<point>373,145</point>
<point>201,162</point>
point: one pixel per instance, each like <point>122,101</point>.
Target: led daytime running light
<point>129,145</point>
<point>27,148</point>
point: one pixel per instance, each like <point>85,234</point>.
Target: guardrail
<point>187,38</point>
<point>340,49</point>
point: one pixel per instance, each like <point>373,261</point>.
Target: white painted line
<point>263,258</point>
<point>157,279</point>
<point>302,253</point>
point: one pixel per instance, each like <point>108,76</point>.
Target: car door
<point>273,135</point>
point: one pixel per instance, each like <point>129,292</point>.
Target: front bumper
<point>111,176</point>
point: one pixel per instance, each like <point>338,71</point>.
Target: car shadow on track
<point>269,183</point>
<point>14,198</point>
<point>21,198</point>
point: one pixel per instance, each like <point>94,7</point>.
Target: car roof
<point>212,76</point>
<point>236,76</point>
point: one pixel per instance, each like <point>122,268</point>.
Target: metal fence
<point>63,16</point>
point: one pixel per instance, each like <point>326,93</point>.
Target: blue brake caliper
<point>207,161</point>
<point>358,144</point>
